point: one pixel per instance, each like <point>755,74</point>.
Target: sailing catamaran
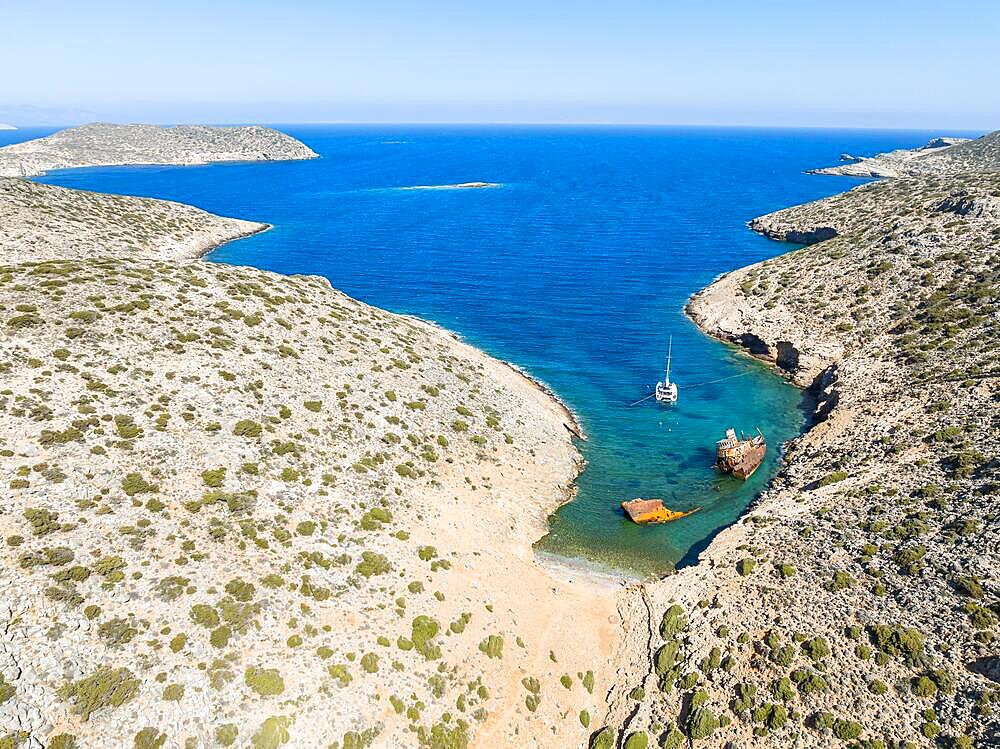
<point>666,391</point>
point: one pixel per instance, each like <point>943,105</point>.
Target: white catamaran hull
<point>666,392</point>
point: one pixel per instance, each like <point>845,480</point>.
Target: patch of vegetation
<point>104,689</point>
<point>266,682</point>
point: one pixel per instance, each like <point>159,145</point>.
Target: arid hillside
<point>857,603</point>
<point>243,509</point>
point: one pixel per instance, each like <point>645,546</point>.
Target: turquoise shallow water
<point>575,268</point>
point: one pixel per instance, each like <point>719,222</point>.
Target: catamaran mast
<point>670,347</point>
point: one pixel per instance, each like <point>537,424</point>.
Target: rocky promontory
<point>103,144</point>
<point>942,155</point>
<point>43,222</point>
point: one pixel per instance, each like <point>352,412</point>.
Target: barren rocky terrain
<point>857,603</point>
<point>103,144</point>
<point>42,222</point>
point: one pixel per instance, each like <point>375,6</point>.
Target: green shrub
<point>894,640</point>
<point>492,646</point>
<point>846,730</point>
<point>214,477</point>
<point>816,648</point>
<point>423,630</point>
<point>784,570</point>
<point>372,564</point>
<point>637,740</point>
<point>134,483</point>
<point>266,682</point>
<point>204,615</point>
<point>771,715</point>
<point>839,581</point>
<point>6,690</point>
<point>832,478</point>
<point>247,428</point>
<point>602,739</point>
<point>149,738</point>
<point>673,622</point>
<point>225,735</point>
<point>273,732</point>
<point>702,723</point>
<point>969,585</point>
<point>105,688</point>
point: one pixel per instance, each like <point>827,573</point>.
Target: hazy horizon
<point>893,65</point>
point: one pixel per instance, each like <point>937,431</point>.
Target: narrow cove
<point>574,264</point>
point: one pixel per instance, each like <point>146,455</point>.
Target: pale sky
<point>886,63</point>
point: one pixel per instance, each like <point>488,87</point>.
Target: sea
<point>574,264</point>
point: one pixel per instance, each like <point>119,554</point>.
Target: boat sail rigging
<point>666,391</point>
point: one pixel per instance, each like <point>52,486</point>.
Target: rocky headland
<point>103,144</point>
<point>938,156</point>
<point>43,222</point>
<point>857,603</point>
<point>243,509</point>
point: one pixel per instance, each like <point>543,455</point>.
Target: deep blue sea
<point>575,268</point>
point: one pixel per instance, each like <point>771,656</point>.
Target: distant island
<point>5,126</point>
<point>103,144</point>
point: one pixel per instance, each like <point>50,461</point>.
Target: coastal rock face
<point>939,156</point>
<point>857,604</point>
<point>103,144</point>
<point>243,509</point>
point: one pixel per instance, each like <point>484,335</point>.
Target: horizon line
<point>514,123</point>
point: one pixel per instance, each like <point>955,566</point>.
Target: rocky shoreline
<point>856,603</point>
